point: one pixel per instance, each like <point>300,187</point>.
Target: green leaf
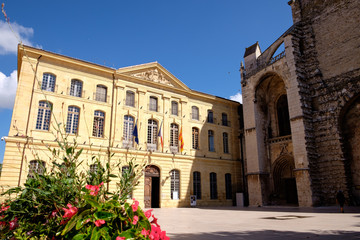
<point>79,236</point>
<point>92,202</point>
<point>104,215</point>
<point>95,235</point>
<point>70,224</point>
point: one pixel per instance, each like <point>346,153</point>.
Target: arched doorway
<point>351,135</point>
<point>285,190</point>
<point>152,187</point>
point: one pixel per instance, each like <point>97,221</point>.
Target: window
<point>99,119</point>
<point>197,184</point>
<point>224,119</point>
<point>152,135</point>
<point>153,104</point>
<point>130,99</point>
<point>101,93</point>
<point>36,167</point>
<point>225,142</point>
<point>174,137</point>
<point>195,138</point>
<point>48,82</point>
<point>211,141</point>
<point>283,116</point>
<point>210,117</point>
<point>174,108</point>
<point>76,88</point>
<point>194,113</point>
<point>128,131</point>
<point>228,186</point>
<point>72,122</point>
<point>213,186</point>
<point>44,114</point>
<point>175,184</point>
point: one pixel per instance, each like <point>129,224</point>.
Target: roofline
<point>23,48</point>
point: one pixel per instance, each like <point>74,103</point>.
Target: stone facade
<point>120,96</point>
<point>319,73</point>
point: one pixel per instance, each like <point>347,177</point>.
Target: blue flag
<point>135,133</point>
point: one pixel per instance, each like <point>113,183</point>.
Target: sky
<point>201,42</point>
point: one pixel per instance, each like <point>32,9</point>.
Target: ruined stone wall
<point>326,48</point>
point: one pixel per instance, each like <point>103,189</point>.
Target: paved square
<point>259,223</point>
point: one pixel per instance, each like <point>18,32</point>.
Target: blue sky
<point>201,42</point>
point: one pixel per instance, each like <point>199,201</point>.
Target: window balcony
<point>151,146</point>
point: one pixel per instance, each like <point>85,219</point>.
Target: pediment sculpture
<point>153,75</point>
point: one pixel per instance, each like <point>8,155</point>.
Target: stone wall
<point>326,50</point>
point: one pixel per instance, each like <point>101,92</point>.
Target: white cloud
<point>237,97</point>
<point>9,40</point>
<point>8,87</point>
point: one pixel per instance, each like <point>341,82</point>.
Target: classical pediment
<point>153,72</point>
<point>153,75</point>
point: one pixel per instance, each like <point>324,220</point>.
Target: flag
<point>135,133</point>
<point>181,140</point>
<point>160,136</point>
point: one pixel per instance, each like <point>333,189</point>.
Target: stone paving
<point>259,223</point>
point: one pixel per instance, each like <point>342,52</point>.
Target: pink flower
<point>94,189</point>
<point>145,232</point>
<point>148,213</point>
<point>53,213</point>
<point>100,222</point>
<point>135,205</point>
<point>157,234</point>
<point>70,212</point>
<point>136,219</point>
<point>120,238</point>
<point>154,221</point>
<point>13,223</point>
<point>4,208</point>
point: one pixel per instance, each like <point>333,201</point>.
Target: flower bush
<point>69,204</point>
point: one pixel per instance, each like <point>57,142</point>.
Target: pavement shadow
<point>331,209</point>
<point>266,235</point>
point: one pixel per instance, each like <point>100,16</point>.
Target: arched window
<point>130,99</point>
<point>99,121</point>
<point>174,108</point>
<point>174,137</point>
<point>101,93</point>
<point>228,189</point>
<point>211,141</point>
<point>128,131</point>
<point>195,138</point>
<point>36,167</point>
<point>76,88</point>
<point>197,184</point>
<point>194,113</point>
<point>48,82</point>
<point>72,122</point>
<point>175,184</point>
<point>283,116</point>
<point>153,106</point>
<point>210,116</point>
<point>44,114</point>
<point>213,186</point>
<point>224,119</point>
<point>152,134</point>
<point>225,142</point>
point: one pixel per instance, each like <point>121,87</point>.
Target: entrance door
<point>152,187</point>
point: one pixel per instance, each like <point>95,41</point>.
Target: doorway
<point>152,187</point>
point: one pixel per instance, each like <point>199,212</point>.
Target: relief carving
<point>153,75</point>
